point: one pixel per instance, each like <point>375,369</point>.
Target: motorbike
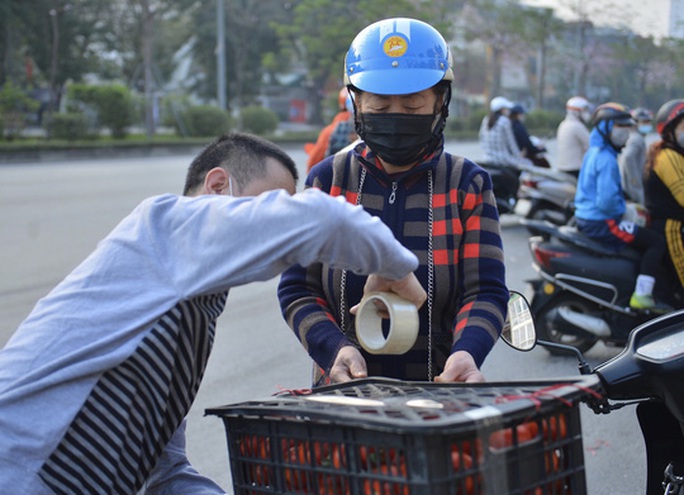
<point>647,373</point>
<point>505,183</point>
<point>381,435</point>
<point>546,194</point>
<point>533,192</point>
<point>582,294</point>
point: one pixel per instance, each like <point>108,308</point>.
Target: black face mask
<point>400,139</point>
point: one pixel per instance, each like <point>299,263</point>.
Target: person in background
<point>441,206</point>
<point>344,133</point>
<point>320,149</point>
<point>496,136</point>
<point>664,181</point>
<point>529,150</point>
<point>95,384</point>
<point>633,157</point>
<point>572,136</point>
<point>600,202</point>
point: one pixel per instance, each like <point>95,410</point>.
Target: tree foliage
<point>301,44</point>
<point>321,31</point>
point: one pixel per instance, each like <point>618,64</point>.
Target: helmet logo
<point>395,46</point>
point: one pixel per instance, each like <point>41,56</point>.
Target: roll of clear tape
<point>403,324</point>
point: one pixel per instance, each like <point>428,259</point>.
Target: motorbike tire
<point>546,331</point>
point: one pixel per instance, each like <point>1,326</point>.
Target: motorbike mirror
<point>518,330</point>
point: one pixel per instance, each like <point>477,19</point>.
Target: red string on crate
<point>546,392</point>
<point>291,391</point>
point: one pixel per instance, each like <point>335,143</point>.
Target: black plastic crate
<point>387,437</point>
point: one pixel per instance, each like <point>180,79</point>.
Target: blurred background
<point>89,70</point>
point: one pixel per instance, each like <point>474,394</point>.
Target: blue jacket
<point>599,190</point>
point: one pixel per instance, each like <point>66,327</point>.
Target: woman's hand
<point>408,288</point>
<point>460,367</point>
<point>348,365</point>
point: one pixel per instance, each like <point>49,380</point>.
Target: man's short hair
<point>242,155</point>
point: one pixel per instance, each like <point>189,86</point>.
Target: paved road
<point>52,215</point>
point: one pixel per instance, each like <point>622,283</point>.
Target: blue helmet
<point>397,56</point>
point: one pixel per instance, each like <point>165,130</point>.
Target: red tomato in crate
<point>555,428</point>
<point>502,439</point>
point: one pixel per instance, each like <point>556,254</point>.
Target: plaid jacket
<point>469,293</point>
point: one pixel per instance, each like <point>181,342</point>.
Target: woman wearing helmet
<point>534,151</point>
<point>572,136</point>
<point>600,202</point>
<point>664,180</point>
<point>438,205</point>
<point>496,136</point>
<point>319,150</point>
<point>633,157</point>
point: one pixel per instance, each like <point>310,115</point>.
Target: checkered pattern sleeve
<point>483,292</point>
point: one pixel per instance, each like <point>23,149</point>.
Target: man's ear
<point>216,181</point>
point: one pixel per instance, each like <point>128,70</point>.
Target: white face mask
<point>645,128</point>
<point>585,115</point>
<point>619,136</point>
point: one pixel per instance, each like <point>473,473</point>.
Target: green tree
<point>498,25</point>
<point>144,35</point>
<point>258,120</point>
<point>57,37</point>
<point>539,27</point>
<point>249,36</point>
<point>321,30</point>
<point>14,105</point>
<point>112,102</point>
<point>668,72</point>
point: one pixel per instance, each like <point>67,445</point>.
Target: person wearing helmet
<point>664,181</point>
<point>496,135</point>
<point>529,149</point>
<point>319,150</point>
<point>600,202</point>
<point>440,206</point>
<point>344,133</point>
<point>572,136</point>
<point>633,157</point>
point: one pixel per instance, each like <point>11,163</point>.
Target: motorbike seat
<point>496,168</point>
<point>573,236</point>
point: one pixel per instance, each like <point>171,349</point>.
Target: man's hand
<point>348,365</point>
<point>460,367</point>
<point>408,288</point>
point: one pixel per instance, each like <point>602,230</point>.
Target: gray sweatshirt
<point>97,379</point>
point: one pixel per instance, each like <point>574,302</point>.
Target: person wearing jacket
<point>96,382</point>
<point>664,182</point>
<point>632,158</point>
<point>529,150</point>
<point>600,202</point>
<point>572,136</point>
<point>497,139</point>
<point>320,149</point>
<point>438,205</point>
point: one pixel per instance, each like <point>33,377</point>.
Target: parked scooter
<point>583,290</point>
<point>648,372</point>
<point>533,192</point>
<point>546,194</point>
<point>505,183</point>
